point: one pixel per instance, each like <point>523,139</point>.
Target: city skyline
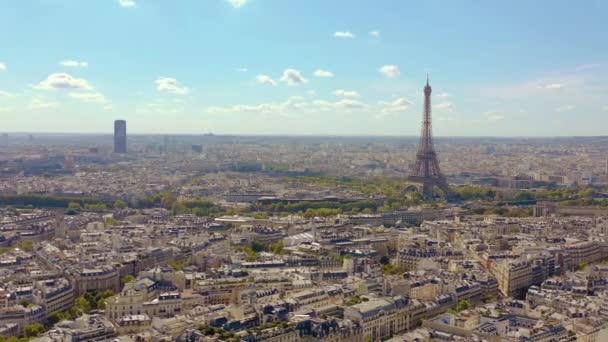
<point>309,68</point>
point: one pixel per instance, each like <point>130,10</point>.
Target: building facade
<point>120,136</point>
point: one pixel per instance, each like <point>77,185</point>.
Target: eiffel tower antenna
<point>427,171</point>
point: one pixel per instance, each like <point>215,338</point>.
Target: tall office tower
<point>427,170</point>
<point>120,136</point>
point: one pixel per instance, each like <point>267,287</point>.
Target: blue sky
<point>505,68</point>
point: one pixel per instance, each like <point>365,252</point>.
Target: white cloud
<point>127,3</point>
<point>41,103</point>
<point>237,3</point>
<point>73,63</point>
<point>89,97</point>
<point>564,108</point>
<point>553,86</point>
<point>344,34</point>
<point>588,66</point>
<point>390,71</point>
<point>293,77</point>
<point>262,108</point>
<point>294,104</point>
<point>215,110</point>
<point>4,93</point>
<point>374,33</point>
<point>2,66</point>
<point>242,69</point>
<point>63,81</point>
<point>443,95</point>
<point>345,93</point>
<point>492,115</point>
<point>398,105</point>
<point>322,105</point>
<point>265,79</point>
<point>350,104</point>
<point>605,108</point>
<point>323,73</point>
<point>444,106</point>
<point>171,85</point>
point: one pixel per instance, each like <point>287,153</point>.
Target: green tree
<point>179,208</point>
<point>586,193</point>
<point>277,247</point>
<point>33,330</point>
<point>110,221</point>
<point>106,294</point>
<point>232,212</point>
<point>524,196</point>
<point>127,279</point>
<point>472,192</point>
<point>178,266</point>
<point>95,207</point>
<point>260,216</point>
<point>168,200</point>
<point>251,256</point>
<point>489,298</point>
<point>257,246</point>
<point>57,317</point>
<point>353,301</point>
<point>71,212</point>
<point>120,204</point>
<point>74,205</point>
<point>25,245</point>
<point>463,305</point>
<point>101,304</point>
<point>390,269</point>
<point>81,305</point>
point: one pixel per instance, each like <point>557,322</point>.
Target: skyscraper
<point>427,169</point>
<point>120,136</point>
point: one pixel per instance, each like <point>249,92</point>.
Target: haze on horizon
<point>305,67</point>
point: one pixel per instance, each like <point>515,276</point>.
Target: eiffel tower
<point>427,170</point>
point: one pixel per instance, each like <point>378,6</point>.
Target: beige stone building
<point>383,318</point>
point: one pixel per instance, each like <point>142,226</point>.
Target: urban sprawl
<point>279,239</point>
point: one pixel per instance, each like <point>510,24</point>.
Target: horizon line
<point>138,133</point>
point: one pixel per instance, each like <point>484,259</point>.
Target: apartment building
<point>384,317</point>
